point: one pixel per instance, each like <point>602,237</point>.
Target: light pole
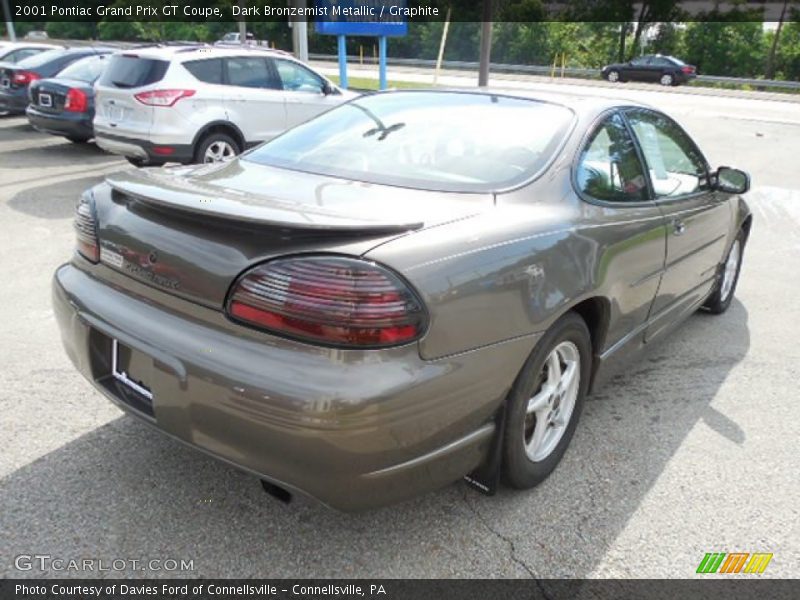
<point>486,44</point>
<point>9,23</point>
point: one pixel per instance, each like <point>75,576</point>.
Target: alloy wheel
<point>613,76</point>
<point>219,151</point>
<point>550,408</point>
<point>730,270</point>
<point>666,79</point>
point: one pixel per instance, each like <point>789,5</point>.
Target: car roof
<point>24,44</point>
<point>194,51</point>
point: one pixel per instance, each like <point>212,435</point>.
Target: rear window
<point>427,140</point>
<point>130,71</point>
<point>87,69</point>
<point>38,60</point>
<point>208,71</point>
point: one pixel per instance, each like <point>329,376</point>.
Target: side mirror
<point>731,181</point>
<point>327,88</point>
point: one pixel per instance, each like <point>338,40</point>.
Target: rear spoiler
<point>176,193</point>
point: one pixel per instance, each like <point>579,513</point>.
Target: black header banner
<point>394,10</point>
<point>715,587</point>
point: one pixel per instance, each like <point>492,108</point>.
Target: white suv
<point>203,104</point>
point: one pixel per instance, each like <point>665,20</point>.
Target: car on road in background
<point>37,34</point>
<point>666,70</point>
<point>13,52</point>
<point>204,104</point>
<point>235,38</point>
<point>64,105</point>
<point>410,288</point>
<point>15,79</point>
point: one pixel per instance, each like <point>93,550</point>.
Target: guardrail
<point>547,70</point>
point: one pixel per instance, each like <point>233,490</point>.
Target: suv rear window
<point>207,71</point>
<point>130,71</point>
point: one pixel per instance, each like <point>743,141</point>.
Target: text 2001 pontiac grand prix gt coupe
<point>412,287</point>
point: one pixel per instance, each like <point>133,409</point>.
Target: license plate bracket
<point>131,369</point>
<point>45,100</point>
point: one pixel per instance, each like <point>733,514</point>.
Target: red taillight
<point>76,101</point>
<point>25,77</point>
<point>163,97</point>
<point>163,150</point>
<point>687,69</point>
<point>86,230</point>
<point>329,300</point>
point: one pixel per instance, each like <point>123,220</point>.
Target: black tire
<point>142,162</point>
<point>717,303</point>
<point>215,138</point>
<point>78,140</point>
<point>519,471</point>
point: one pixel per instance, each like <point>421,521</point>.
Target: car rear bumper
<point>77,125</point>
<point>354,429</point>
<point>144,149</point>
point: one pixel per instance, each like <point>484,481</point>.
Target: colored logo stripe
<point>734,562</point>
<point>711,562</point>
<point>722,562</point>
<point>758,563</point>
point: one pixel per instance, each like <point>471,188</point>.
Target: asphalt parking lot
<point>692,449</point>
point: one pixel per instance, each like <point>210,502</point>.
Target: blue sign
<point>377,18</point>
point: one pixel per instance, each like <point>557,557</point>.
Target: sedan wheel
<point>667,79</point>
<point>730,271</point>
<point>727,277</point>
<point>545,402</point>
<point>613,76</point>
<point>550,408</point>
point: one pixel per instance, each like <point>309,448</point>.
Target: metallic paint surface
<point>360,428</point>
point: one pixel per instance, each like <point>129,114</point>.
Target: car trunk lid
<point>191,231</point>
<point>50,95</point>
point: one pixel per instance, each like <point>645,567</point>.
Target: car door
<point>639,69</point>
<point>698,218</point>
<point>303,92</point>
<point>626,224</point>
<point>254,98</point>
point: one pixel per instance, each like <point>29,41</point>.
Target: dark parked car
<point>64,105</point>
<point>409,288</point>
<point>666,70</point>
<point>15,79</point>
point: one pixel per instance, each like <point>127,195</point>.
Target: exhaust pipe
<point>276,491</point>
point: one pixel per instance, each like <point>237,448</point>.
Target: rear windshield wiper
<point>122,84</point>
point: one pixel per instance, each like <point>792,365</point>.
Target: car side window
<point>641,61</point>
<point>675,164</point>
<point>250,72</point>
<point>297,78</point>
<point>609,167</point>
<point>207,71</point>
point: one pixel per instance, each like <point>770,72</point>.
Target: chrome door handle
<point>678,227</point>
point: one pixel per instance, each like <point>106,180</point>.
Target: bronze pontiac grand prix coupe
<point>411,288</point>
